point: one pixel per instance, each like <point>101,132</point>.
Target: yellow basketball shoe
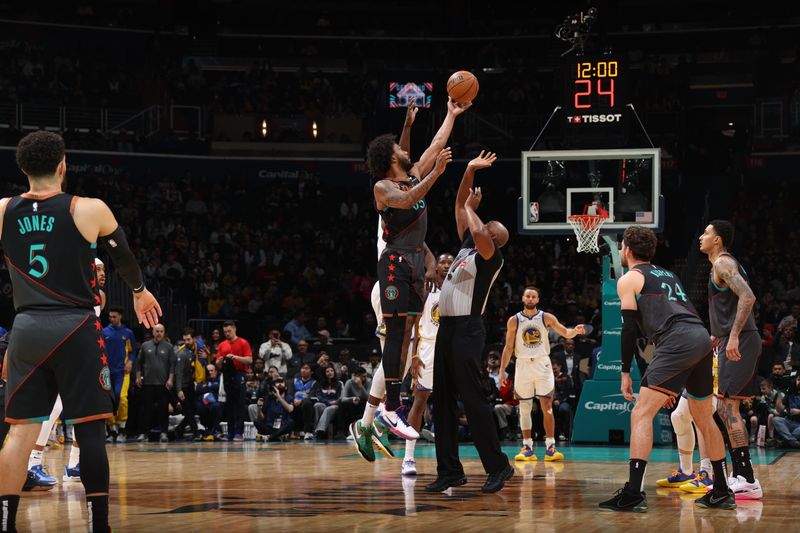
<point>701,484</point>
<point>526,454</point>
<point>551,454</point>
<point>677,479</point>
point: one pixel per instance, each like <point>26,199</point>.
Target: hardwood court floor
<point>307,487</point>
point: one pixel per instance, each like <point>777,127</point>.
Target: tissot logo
<point>587,119</point>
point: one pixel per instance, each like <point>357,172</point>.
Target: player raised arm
<point>484,160</point>
<point>94,213</point>
<point>508,348</point>
<point>388,194</point>
<point>439,141</point>
<point>405,135</point>
<point>551,321</point>
<point>628,286</point>
<point>728,272</point>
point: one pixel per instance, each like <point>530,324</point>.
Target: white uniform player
<point>527,336</point>
<point>534,374</point>
<point>428,328</point>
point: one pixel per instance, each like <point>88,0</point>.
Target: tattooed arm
<point>725,269</point>
<point>388,194</point>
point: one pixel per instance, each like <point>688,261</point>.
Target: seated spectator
<point>508,406</point>
<point>275,352</point>
<point>251,387</point>
<point>296,328</point>
<point>562,400</point>
<point>259,370</point>
<point>787,427</point>
<point>300,393</point>
<point>767,407</point>
<point>488,385</point>
<point>320,365</point>
<point>271,413</point>
<point>493,367</point>
<point>780,380</point>
<point>327,395</point>
<point>323,341</point>
<point>301,357</point>
<point>208,405</point>
<point>346,365</point>
<point>354,398</point>
<point>570,364</point>
<point>374,360</point>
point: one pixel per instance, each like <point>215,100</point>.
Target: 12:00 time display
<point>600,69</point>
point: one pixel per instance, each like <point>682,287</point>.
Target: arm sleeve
<point>116,244</point>
<point>630,332</point>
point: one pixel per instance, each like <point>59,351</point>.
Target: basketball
<point>462,86</point>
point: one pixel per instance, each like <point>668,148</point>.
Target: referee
<point>460,343</point>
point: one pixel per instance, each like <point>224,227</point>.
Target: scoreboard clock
<point>594,91</point>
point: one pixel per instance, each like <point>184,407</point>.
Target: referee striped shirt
<point>465,290</point>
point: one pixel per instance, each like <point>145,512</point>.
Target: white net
<point>587,228</point>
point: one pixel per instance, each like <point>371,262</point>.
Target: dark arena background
<point>229,139</point>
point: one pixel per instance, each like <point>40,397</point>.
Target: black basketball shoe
<point>717,501</point>
<point>626,501</point>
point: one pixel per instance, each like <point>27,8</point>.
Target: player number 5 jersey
<point>532,337</point>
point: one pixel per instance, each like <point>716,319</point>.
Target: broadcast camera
<point>575,29</point>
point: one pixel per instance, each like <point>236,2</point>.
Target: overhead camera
<point>575,29</point>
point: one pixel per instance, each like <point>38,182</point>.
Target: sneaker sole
<point>631,510</point>
<point>548,458</point>
<point>386,452</point>
<point>523,459</point>
<point>749,496</point>
<point>398,431</point>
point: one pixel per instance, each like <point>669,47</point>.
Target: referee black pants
<point>456,374</point>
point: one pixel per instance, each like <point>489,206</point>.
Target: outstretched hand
<point>474,198</point>
<point>454,108</point>
<point>484,160</point>
<point>411,113</point>
<point>147,308</point>
<point>442,159</point>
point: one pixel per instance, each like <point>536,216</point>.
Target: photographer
<point>275,352</point>
<point>787,427</point>
<point>270,415</point>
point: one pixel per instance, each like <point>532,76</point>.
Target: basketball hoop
<point>586,228</point>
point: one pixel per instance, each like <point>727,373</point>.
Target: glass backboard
<point>621,185</point>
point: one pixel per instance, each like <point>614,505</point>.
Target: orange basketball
<point>462,86</point>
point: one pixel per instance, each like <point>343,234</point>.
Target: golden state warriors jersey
<point>429,321</point>
<point>532,338</point>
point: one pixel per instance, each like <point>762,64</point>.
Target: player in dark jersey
<point>738,345</point>
<point>50,239</point>
<point>400,199</point>
<point>653,299</point>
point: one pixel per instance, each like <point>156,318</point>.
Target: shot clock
<point>594,89</point>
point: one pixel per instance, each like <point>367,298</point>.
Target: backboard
<point>622,185</point>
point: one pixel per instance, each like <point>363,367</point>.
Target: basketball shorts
<point>57,352</point>
<point>737,379</point>
<point>534,377</point>
<point>425,352</point>
<point>683,359</point>
<point>401,276</point>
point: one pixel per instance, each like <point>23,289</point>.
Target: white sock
<point>410,445</point>
<point>528,442</point>
<point>686,462</point>
<point>35,458</point>
<point>705,464</point>
<point>369,415</point>
<point>549,441</point>
<point>74,456</point>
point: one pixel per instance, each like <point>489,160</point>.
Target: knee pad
<point>94,461</point>
<point>525,407</point>
<point>681,421</point>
